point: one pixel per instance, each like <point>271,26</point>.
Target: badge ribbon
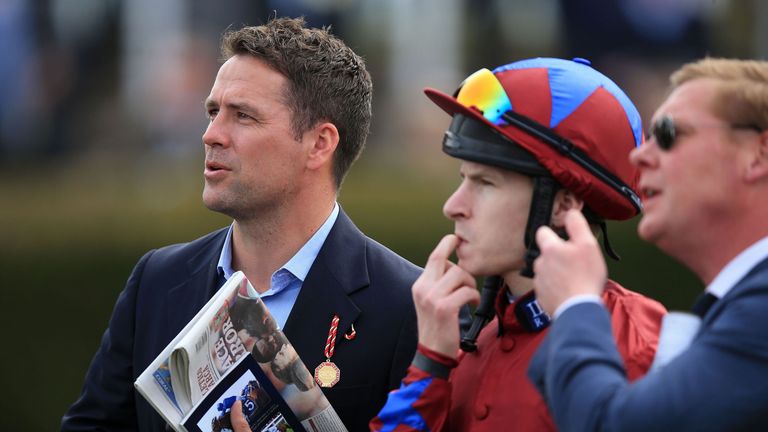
<point>327,374</point>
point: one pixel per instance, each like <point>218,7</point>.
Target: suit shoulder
<point>180,252</point>
<point>385,263</point>
<point>177,257</point>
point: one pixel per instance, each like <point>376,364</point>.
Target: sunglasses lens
<point>484,92</point>
<point>664,133</point>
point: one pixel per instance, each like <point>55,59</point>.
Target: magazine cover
<point>233,349</point>
<point>263,406</point>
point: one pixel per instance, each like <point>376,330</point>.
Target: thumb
<point>545,237</point>
<point>237,418</point>
<point>577,227</point>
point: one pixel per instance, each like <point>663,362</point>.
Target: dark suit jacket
<point>720,383</point>
<point>353,276</point>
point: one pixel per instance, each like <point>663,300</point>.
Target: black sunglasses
<point>664,131</point>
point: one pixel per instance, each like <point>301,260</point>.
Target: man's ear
<point>758,163</point>
<point>324,138</point>
<point>564,200</point>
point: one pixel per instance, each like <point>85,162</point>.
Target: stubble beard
<point>245,204</point>
<point>231,202</point>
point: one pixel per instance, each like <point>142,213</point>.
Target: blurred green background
<point>101,156</point>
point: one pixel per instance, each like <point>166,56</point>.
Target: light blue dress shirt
<point>287,280</point>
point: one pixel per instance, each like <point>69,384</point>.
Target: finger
<point>448,307</point>
<point>577,227</point>
<point>545,238</point>
<point>436,262</point>
<point>467,294</point>
<point>428,292</point>
<point>453,279</point>
<point>236,416</point>
<point>450,264</point>
<point>538,264</point>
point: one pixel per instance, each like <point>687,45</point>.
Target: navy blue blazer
<point>353,276</point>
<point>720,383</point>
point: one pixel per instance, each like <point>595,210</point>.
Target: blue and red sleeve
<point>424,398</point>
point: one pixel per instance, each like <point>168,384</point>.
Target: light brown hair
<point>742,96</point>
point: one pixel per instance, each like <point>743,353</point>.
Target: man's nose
<point>216,133</point>
<point>455,206</point>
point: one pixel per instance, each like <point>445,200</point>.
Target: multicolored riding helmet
<point>576,123</point>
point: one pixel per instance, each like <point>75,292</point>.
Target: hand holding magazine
<point>207,367</point>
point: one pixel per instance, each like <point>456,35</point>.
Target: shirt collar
<point>224,267</point>
<point>299,264</point>
<point>738,267</point>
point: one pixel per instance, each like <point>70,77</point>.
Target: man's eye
<point>212,113</point>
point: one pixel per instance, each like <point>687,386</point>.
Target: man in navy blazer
<point>289,112</point>
<point>704,177</point>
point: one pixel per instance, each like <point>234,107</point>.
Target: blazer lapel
<point>187,298</point>
<point>714,311</point>
<point>339,270</point>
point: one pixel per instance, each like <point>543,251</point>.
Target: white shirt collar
<point>738,267</point>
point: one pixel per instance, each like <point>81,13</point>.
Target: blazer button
<point>507,344</point>
<point>481,410</point>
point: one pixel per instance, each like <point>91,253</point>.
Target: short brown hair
<point>742,97</point>
<point>327,80</point>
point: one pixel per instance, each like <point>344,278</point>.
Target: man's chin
<point>482,270</point>
<point>647,230</point>
<point>210,199</point>
<point>469,266</point>
<point>215,206</point>
<point>462,262</point>
<point>214,203</point>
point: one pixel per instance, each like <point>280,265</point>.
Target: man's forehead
<point>469,167</point>
<point>475,169</point>
<point>691,99</point>
<point>248,72</point>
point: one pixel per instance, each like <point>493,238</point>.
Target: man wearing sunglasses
<point>704,178</point>
<point>536,138</point>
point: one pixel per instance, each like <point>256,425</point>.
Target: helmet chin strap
<point>483,314</point>
<point>544,190</point>
<point>542,202</point>
<point>594,219</point>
